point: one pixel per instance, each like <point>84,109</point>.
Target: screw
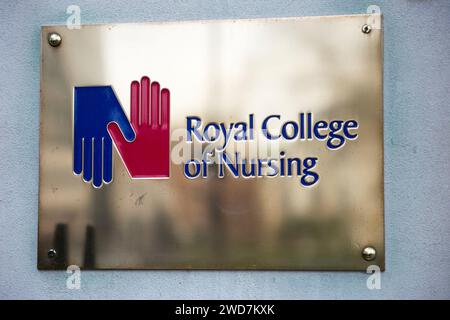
<point>51,253</point>
<point>366,28</point>
<point>54,39</point>
<point>369,253</point>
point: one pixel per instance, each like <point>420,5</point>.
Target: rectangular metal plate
<point>240,72</point>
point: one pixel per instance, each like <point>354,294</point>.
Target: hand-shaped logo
<point>143,145</point>
<point>148,155</point>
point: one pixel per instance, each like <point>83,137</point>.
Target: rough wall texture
<point>417,156</point>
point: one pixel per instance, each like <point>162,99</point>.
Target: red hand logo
<point>147,156</point>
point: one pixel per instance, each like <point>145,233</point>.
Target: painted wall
<point>417,156</point>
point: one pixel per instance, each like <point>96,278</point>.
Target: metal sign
<point>240,144</point>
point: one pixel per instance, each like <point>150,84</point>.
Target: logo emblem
<point>99,121</point>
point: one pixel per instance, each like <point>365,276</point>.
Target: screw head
<point>369,253</point>
<point>366,28</point>
<point>54,39</point>
<point>51,253</point>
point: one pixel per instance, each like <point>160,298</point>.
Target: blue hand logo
<point>94,109</point>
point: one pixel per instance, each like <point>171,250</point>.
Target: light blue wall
<point>417,156</point>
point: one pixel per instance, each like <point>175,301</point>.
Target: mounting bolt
<point>51,253</point>
<point>54,39</point>
<point>369,253</point>
<point>366,28</point>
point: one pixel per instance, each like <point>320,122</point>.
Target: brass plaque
<point>237,144</point>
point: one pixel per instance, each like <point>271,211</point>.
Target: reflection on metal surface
<point>222,72</point>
